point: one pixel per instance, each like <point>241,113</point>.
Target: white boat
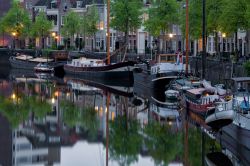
<point>221,115</point>
<point>27,62</point>
<point>43,67</point>
<point>167,68</point>
<point>242,106</point>
<point>172,94</point>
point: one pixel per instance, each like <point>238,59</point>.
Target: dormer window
<point>78,4</point>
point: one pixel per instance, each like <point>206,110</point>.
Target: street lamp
<point>14,34</point>
<point>170,41</point>
<point>223,42</point>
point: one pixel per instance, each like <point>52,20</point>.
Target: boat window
<point>167,57</point>
<point>163,58</point>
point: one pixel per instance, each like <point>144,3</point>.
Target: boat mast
<point>187,39</point>
<point>203,58</point>
<point>108,33</point>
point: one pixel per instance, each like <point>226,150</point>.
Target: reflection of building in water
<point>24,152</point>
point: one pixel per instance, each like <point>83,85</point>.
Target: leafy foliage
<point>195,19</point>
<point>163,144</point>
<point>125,16</point>
<point>84,117</point>
<point>42,26</point>
<point>125,140</point>
<point>16,21</point>
<point>162,15</point>
<point>92,19</point>
<point>71,24</point>
<point>17,110</point>
<point>214,10</point>
<point>247,67</point>
<point>234,15</point>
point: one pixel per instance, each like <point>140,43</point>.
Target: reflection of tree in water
<point>18,110</point>
<point>195,146</point>
<point>84,117</point>
<point>124,140</point>
<point>163,145</point>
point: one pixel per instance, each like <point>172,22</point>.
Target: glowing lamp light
<point>13,96</point>
<point>223,35</point>
<point>53,34</point>
<point>53,100</point>
<point>56,93</point>
<point>171,35</point>
<point>13,33</point>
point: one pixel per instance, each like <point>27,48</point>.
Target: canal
<point>46,120</point>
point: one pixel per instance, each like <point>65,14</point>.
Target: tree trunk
<point>72,40</point>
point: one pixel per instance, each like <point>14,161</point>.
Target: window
<point>53,4</point>
<point>78,4</point>
<point>62,20</point>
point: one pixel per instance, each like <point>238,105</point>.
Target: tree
<point>195,19</point>
<point>214,10</point>
<point>16,21</point>
<point>125,16</point>
<point>233,18</point>
<point>2,31</point>
<point>91,19</point>
<point>41,27</point>
<point>162,14</point>
<point>71,26</point>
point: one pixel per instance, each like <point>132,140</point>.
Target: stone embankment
<point>217,71</point>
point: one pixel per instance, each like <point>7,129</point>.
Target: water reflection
<point>53,121</point>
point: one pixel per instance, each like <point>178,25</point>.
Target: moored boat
<point>172,94</point>
<point>167,68</point>
<point>221,115</point>
<point>95,69</point>
<point>199,100</point>
<point>27,62</point>
<point>44,67</point>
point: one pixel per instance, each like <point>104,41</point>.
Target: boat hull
<point>220,119</point>
<point>116,88</point>
<point>119,72</point>
<point>22,64</point>
<point>201,109</point>
<point>153,81</point>
<point>217,158</point>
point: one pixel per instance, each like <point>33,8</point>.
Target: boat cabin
<point>200,95</point>
<point>84,62</point>
<point>163,58</point>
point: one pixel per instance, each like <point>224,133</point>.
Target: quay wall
<point>217,71</point>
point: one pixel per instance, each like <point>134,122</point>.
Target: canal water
<point>45,120</point>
